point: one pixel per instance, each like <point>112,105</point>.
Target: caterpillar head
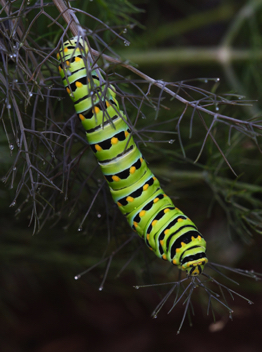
<point>194,267</point>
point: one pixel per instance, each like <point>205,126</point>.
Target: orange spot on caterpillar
<point>68,63</point>
<point>142,213</point>
<point>119,204</point>
<point>132,169</point>
<point>108,104</point>
<point>174,261</point>
<point>147,236</point>
<point>154,222</point>
<point>126,133</point>
<point>82,117</point>
<point>164,257</point>
<point>129,199</point>
<point>154,178</point>
<point>135,224</point>
<point>178,250</point>
<point>141,159</point>
<point>65,50</point>
<point>179,220</point>
<point>183,244</point>
<point>114,140</point>
<point>115,178</point>
<point>68,90</point>
<point>79,84</point>
<point>156,200</point>
<point>77,59</point>
<point>166,231</point>
<point>145,187</point>
<point>58,56</point>
<point>161,242</point>
<point>98,148</point>
<point>95,110</point>
<point>166,210</point>
<point>59,68</point>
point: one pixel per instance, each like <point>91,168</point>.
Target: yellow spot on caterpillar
<point>156,200</point>
<point>129,199</point>
<point>199,238</point>
<point>141,160</point>
<point>114,140</point>
<point>58,56</point>
<point>82,117</point>
<point>166,210</point>
<point>147,236</point>
<point>150,248</point>
<point>115,178</point>
<point>65,50</point>
<point>154,178</point>
<point>142,213</point>
<point>98,148</point>
<point>68,90</point>
<point>192,238</point>
<point>174,261</point>
<point>95,110</point>
<point>145,187</point>
<point>119,204</point>
<point>135,224</point>
<point>132,170</point>
<point>166,231</point>
<point>77,59</point>
<point>165,195</point>
<point>59,68</point>
<point>154,222</point>
<point>177,250</point>
<point>108,104</point>
<point>126,133</point>
<point>164,257</point>
<point>183,244</point>
<point>79,84</point>
<point>161,242</point>
<point>68,63</point>
<point>179,220</point>
<point>176,208</point>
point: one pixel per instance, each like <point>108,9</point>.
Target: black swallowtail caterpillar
<point>169,233</point>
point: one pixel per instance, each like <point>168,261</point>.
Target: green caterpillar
<point>169,233</point>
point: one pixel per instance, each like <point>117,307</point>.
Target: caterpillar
<point>166,230</point>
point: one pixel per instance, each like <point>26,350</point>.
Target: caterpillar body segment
<point>169,233</point>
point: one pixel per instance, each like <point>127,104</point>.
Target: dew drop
<point>12,204</point>
<point>217,79</point>
<point>250,302</point>
<point>126,43</point>
<point>80,229</point>
<point>14,168</point>
<point>171,141</point>
<point>30,94</point>
<point>11,147</point>
<point>217,108</point>
<point>124,30</point>
<point>18,211</point>
<point>8,106</point>
<point>99,216</point>
<point>205,80</point>
<point>100,288</point>
<point>136,287</point>
<point>77,277</point>
<point>154,316</point>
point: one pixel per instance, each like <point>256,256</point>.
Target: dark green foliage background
<point>43,308</point>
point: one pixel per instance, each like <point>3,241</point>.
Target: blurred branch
<point>194,56</point>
